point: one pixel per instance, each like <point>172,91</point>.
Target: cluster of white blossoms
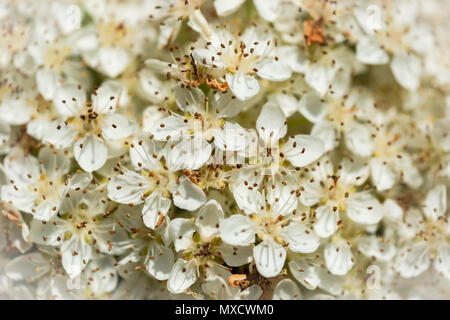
<point>224,149</point>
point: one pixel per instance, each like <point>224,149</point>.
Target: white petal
<point>227,7</point>
<point>237,230</point>
<point>281,195</point>
<point>305,273</point>
<point>46,80</point>
<point>406,69</point>
<point>127,188</point>
<point>150,116</point>
<point>326,132</point>
<point>35,128</point>
<point>198,23</point>
<point>383,176</point>
<point>353,172</point>
<point>273,70</point>
<point>182,276</point>
<point>271,123</point>
<point>102,275</point>
<point>320,77</point>
<point>46,210</point>
<point>168,32</point>
<point>392,210</point>
<point>243,86</point>
<point>15,111</point>
<point>413,259</point>
<point>27,267</point>
<point>326,221</point>
<point>371,19</point>
<point>188,154</point>
<point>224,104</point>
<point>300,238</point>
<point>410,174</point>
<point>249,201</point>
<point>287,102</point>
<point>269,258</point>
<point>302,150</point>
<point>293,57</point>
<point>145,154</point>
<point>152,88</point>
<point>338,257</point>
<point>76,253</point>
<point>50,233</point>
<point>191,100</point>
<point>364,208</point>
<point>359,140</point>
<point>19,166</point>
<point>159,261</point>
<point>369,51</point>
<point>253,292</point>
<point>442,261</point>
<point>172,126</point>
<point>312,108</point>
<point>435,204</point>
<point>371,246</point>
<point>236,256</point>
<point>286,289</point>
<point>217,288</point>
<point>117,127</point>
<point>60,134</point>
<point>69,100</point>
<point>268,10</point>
<point>90,153</point>
<point>312,193</point>
<point>188,195</point>
<point>180,232</point>
<point>20,199</point>
<point>208,219</point>
<point>113,61</point>
<point>232,137</point>
<point>55,162</point>
<point>108,97</point>
<point>155,206</point>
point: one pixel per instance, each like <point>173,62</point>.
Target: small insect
<point>236,280</point>
<point>202,78</point>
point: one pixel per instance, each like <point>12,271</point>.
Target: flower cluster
<point>224,149</point>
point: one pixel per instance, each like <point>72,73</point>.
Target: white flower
<point>336,193</point>
<point>267,152</point>
<point>154,183</point>
<point>172,13</point>
<point>338,257</point>
<point>204,121</point>
<point>240,59</point>
<point>431,243</point>
<point>334,116</point>
<point>148,249</point>
<point>269,216</point>
<point>397,34</point>
<point>200,246</point>
<point>88,126</point>
<point>38,185</point>
<point>287,290</point>
<point>79,231</point>
<point>390,161</point>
